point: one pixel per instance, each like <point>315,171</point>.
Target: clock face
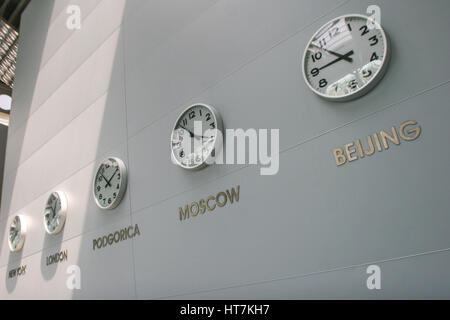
<point>55,212</point>
<point>346,58</point>
<point>110,183</point>
<point>195,136</point>
<point>17,231</point>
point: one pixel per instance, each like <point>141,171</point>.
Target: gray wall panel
<point>423,277</point>
<point>323,218</point>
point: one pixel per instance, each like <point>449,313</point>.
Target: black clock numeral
<point>118,176</point>
<point>316,56</point>
<point>323,83</point>
<point>109,200</point>
<point>352,84</point>
<point>100,196</point>
<point>118,186</point>
<point>184,122</point>
<point>349,27</point>
<point>315,72</point>
<point>208,116</point>
<point>114,195</point>
<point>364,30</point>
<point>181,154</point>
<point>192,114</point>
<point>374,56</point>
<point>104,201</point>
<point>366,73</point>
<point>212,125</point>
<point>98,188</point>
<point>374,40</point>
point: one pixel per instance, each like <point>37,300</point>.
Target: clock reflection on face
<point>17,231</point>
<point>55,212</point>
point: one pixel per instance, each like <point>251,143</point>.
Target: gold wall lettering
<point>115,237</point>
<point>408,131</point>
<point>210,203</point>
<point>56,257</point>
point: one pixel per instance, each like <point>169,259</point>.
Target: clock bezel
<point>23,231</point>
<point>372,82</point>
<point>123,183</point>
<point>64,206</point>
<point>217,144</point>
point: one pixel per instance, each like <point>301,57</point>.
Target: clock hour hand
<point>107,182</point>
<point>342,56</point>
<point>348,54</point>
<point>203,137</point>
<point>192,134</point>
<point>112,176</point>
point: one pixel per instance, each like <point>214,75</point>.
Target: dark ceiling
<point>11,10</point>
<point>10,13</point>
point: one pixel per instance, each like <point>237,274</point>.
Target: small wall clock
<point>55,212</point>
<point>346,58</point>
<point>190,149</point>
<point>110,183</point>
<point>17,232</point>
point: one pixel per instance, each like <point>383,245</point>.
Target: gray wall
<point>3,138</point>
<point>116,86</point>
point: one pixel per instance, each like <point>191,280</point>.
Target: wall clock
<point>110,183</point>
<point>346,58</point>
<point>193,150</point>
<point>55,212</point>
<point>17,231</point>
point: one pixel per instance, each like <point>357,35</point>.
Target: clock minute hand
<point>190,133</point>
<point>348,54</point>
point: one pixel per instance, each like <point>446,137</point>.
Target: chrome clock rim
<point>122,187</point>
<point>379,74</point>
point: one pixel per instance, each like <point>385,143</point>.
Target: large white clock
<point>346,57</point>
<point>195,137</point>
<point>55,212</point>
<point>110,183</point>
<point>17,231</point>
